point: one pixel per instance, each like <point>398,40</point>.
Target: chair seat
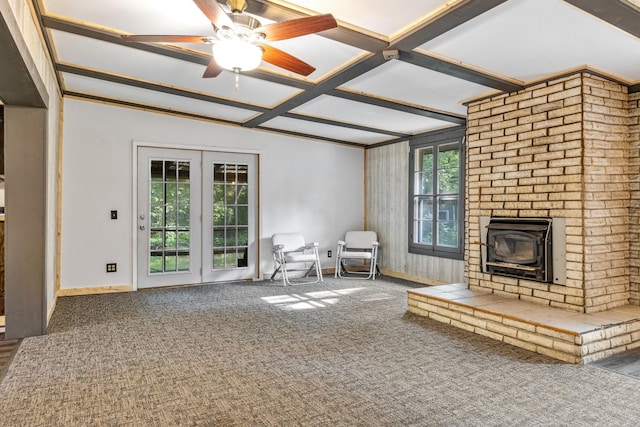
<point>355,254</point>
<point>300,258</point>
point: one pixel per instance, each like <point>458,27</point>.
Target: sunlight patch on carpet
<point>311,300</point>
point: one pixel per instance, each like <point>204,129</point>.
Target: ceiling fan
<point>239,41</point>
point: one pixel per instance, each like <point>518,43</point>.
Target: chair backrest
<point>290,241</point>
<point>360,239</point>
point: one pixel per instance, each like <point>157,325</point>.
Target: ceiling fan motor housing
<point>244,26</point>
<point>237,6</point>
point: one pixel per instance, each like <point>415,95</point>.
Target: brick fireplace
<point>560,149</point>
<point>567,149</point>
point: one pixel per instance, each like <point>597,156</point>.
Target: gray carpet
<point>342,353</point>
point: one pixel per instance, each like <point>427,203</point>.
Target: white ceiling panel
<point>148,97</point>
<point>330,107</point>
<point>136,16</point>
<point>409,83</point>
<point>143,65</point>
<point>378,16</point>
<point>335,132</point>
<point>555,36</point>
<point>324,54</point>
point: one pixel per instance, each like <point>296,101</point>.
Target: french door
<point>197,217</point>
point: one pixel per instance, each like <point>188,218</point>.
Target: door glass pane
<point>184,215</point>
<point>156,171</point>
<point>230,237</point>
<point>218,215</point>
<point>183,172</point>
<point>183,262</point>
<point>170,261</point>
<point>170,239</point>
<point>243,215</point>
<point>169,208</point>
<point>183,240</point>
<point>156,216</point>
<point>218,237</point>
<point>170,215</point>
<point>231,260</point>
<point>218,258</point>
<point>183,194</point>
<point>243,194</point>
<point>157,194</point>
<point>155,240</point>
<point>230,215</point>
<point>170,171</point>
<point>155,262</point>
<point>171,191</point>
<point>243,236</point>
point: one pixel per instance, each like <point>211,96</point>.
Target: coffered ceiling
<point>361,93</point>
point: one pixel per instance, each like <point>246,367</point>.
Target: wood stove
<point>520,247</point>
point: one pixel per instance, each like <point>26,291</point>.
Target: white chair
<point>358,249</point>
<point>291,253</point>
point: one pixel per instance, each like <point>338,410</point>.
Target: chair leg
<point>342,271</point>
<point>319,271</point>
<point>285,277</point>
<point>277,270</point>
<point>287,281</point>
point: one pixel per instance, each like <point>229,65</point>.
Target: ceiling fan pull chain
<point>237,71</point>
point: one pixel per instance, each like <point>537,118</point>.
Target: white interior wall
<point>308,186</point>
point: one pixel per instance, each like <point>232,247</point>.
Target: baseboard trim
<point>412,278</point>
<point>93,291</point>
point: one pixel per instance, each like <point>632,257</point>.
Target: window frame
<point>435,140</point>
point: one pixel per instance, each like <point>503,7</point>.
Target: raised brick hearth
<point>566,148</point>
<point>562,334</point>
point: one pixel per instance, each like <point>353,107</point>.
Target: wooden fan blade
<point>213,70</point>
<point>215,13</point>
<point>297,27</point>
<point>282,59</point>
<point>165,39</point>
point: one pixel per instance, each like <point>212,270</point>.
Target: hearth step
<point>562,334</point>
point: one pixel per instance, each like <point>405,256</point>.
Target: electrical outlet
<point>111,267</point>
<point>329,254</point>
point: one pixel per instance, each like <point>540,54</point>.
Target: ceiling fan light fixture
<point>237,55</point>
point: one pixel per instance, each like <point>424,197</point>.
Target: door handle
<point>142,227</point>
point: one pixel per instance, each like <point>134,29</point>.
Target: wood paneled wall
<point>387,186</point>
